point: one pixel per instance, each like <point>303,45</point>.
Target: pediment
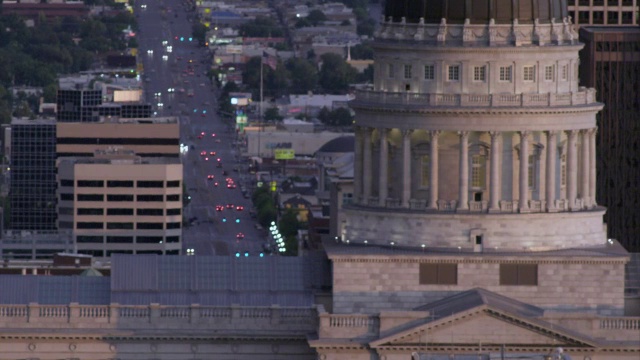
<point>484,326</point>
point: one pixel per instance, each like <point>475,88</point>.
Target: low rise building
<point>117,202</point>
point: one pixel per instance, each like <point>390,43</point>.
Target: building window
<point>148,239</point>
<point>90,197</point>
<point>65,196</point>
<point>505,73</point>
<point>173,183</point>
<point>90,183</point>
<point>172,239</point>
<point>176,211</point>
<point>531,180</point>
<point>583,17</point>
<point>627,17</point>
<point>120,226</point>
<point>90,225</point>
<point>174,197</point>
<point>146,198</point>
<point>429,72</point>
<point>120,183</point>
<point>565,72</point>
<point>519,274</point>
<point>118,197</point>
<point>120,239</point>
<point>598,17</point>
<point>479,73</point>
<point>90,211</point>
<point>548,73</point>
<point>390,70</point>
<point>173,225</point>
<point>66,183</point>
<point>88,239</point>
<point>438,274</point>
<point>563,170</point>
<point>478,171</point>
<point>150,184</point>
<point>612,18</point>
<point>119,211</point>
<point>347,199</point>
<point>528,73</point>
<point>425,171</point>
<point>149,212</point>
<point>407,71</point>
<point>149,226</point>
<point>454,73</point>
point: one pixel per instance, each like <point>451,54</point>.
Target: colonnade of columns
<point>580,194</point>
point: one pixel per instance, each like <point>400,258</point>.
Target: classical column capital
<point>463,134</point>
<point>552,133</point>
<point>591,131</point>
<point>382,130</point>
<point>495,134</point>
<point>435,133</point>
<point>525,135</point>
<point>407,133</point>
<point>573,133</point>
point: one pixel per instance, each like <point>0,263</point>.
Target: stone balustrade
<point>421,100</point>
<point>348,326</point>
<point>195,316</point>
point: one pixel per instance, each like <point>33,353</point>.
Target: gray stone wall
<point>372,285</point>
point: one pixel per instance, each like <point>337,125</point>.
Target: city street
<point>175,83</point>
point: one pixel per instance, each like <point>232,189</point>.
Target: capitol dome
<point>477,11</point>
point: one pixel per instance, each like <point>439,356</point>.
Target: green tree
<point>261,26</point>
<point>199,32</point>
<point>272,114</point>
<point>341,117</point>
<point>335,74</point>
<point>304,75</point>
<point>366,27</point>
<point>316,17</point>
<point>324,115</point>
<point>302,22</point>
<point>362,52</point>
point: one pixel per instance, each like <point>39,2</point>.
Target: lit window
<point>425,164</point>
<point>479,73</point>
<point>429,72</point>
<point>454,73</point>
<point>478,171</point>
<point>407,71</point>
<point>505,73</point>
<point>548,73</point>
<point>528,73</point>
<point>391,70</point>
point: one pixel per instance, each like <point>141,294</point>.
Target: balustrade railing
<point>134,316</point>
<point>581,97</point>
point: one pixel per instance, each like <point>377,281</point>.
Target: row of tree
<point>266,212</point>
<point>37,55</point>
<point>299,76</point>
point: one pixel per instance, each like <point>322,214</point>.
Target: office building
<point>33,172</point>
<point>117,202</point>
<point>86,105</point>
<point>603,12</point>
<point>610,63</point>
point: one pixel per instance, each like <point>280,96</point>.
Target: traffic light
<point>237,220</point>
<point>224,219</point>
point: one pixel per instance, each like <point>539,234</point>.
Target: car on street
<point>240,236</point>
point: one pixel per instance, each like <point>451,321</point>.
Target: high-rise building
<point>610,63</point>
<point>32,194</point>
<point>604,12</point>
<point>116,202</point>
<point>86,105</point>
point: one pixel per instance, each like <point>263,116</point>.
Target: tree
<point>316,17</point>
<point>272,114</point>
<point>341,117</point>
<point>304,75</point>
<point>362,52</point>
<point>199,32</point>
<point>261,26</point>
<point>324,115</point>
<point>335,74</point>
<point>302,22</point>
<point>366,27</point>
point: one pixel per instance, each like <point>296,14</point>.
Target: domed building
<point>474,213</point>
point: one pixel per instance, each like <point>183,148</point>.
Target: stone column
<point>433,170</point>
<point>384,166</point>
<point>357,171</point>
<point>463,193</point>
<point>550,181</point>
<point>523,204</point>
<point>592,167</point>
<point>494,200</point>
<point>366,167</point>
<point>572,168</point>
<point>406,167</point>
<point>586,171</point>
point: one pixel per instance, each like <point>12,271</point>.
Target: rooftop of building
<point>120,157</point>
<point>120,120</point>
<point>27,121</point>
